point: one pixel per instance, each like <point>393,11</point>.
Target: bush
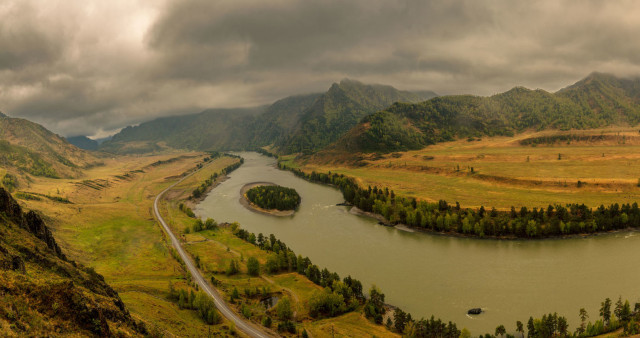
<point>253,266</point>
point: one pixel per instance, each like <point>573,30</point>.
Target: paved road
<point>240,323</point>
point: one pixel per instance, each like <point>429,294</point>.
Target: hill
<point>44,294</point>
<point>210,129</point>
<point>83,142</point>
<point>293,124</point>
<point>28,147</point>
<point>599,100</point>
<point>338,110</point>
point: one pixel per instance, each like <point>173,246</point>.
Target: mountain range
<point>303,123</point>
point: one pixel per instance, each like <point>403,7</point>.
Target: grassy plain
<point>505,173</point>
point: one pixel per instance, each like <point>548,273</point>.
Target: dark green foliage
<point>266,321</point>
<point>233,268</point>
<point>283,309</point>
<point>274,197</point>
<point>253,266</point>
<point>326,303</point>
<point>287,326</point>
<point>374,308</point>
<point>199,302</point>
<point>10,182</point>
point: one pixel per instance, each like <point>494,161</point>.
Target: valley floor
<point>109,226</point>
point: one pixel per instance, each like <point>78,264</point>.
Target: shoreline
<point>247,204</point>
<point>403,227</point>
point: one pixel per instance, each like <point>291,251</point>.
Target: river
<point>428,274</point>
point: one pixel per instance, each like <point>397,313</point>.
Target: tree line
<point>340,296</point>
<point>274,197</point>
<point>552,221</point>
<point>199,191</point>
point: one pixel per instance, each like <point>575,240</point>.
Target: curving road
<point>240,323</point>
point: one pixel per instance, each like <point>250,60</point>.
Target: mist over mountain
<point>296,123</point>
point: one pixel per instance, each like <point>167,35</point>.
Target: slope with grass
<point>28,147</point>
<point>598,101</point>
<point>43,293</point>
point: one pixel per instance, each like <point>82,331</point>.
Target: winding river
<point>445,276</point>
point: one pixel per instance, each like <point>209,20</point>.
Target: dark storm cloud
<point>92,67</point>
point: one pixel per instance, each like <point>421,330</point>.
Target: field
<point>502,172</point>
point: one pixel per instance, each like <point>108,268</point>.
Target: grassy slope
<point>113,230</point>
<point>502,176</point>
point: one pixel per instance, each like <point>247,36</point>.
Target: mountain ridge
<point>598,100</point>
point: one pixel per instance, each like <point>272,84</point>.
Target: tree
<point>500,331</point>
<point>605,311</point>
<point>210,224</point>
<point>399,319</point>
<point>562,326</point>
<point>233,268</point>
<point>531,328</point>
<point>520,327</point>
<point>618,310</point>
<point>374,308</point>
<point>583,319</point>
<point>283,309</point>
<point>253,266</point>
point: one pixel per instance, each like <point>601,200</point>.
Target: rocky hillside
<point>44,294</point>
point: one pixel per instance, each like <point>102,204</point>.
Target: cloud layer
<point>92,67</point>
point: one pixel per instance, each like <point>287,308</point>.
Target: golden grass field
<point>109,226</point>
<point>505,173</point>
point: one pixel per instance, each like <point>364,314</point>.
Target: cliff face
<point>42,293</point>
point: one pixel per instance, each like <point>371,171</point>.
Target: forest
<point>274,197</point>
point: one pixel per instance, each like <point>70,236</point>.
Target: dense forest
<point>274,197</point>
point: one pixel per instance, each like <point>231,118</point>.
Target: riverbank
<point>251,206</point>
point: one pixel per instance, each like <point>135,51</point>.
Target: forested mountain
<point>293,124</point>
<point>597,101</point>
<point>83,142</point>
<point>30,148</point>
<point>43,293</point>
<point>338,110</point>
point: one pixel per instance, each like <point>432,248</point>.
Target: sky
<point>91,67</point>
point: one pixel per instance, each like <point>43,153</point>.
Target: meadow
<point>502,172</point>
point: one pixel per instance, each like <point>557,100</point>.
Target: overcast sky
<point>92,67</point>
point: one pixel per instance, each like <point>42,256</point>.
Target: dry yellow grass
<point>506,173</point>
